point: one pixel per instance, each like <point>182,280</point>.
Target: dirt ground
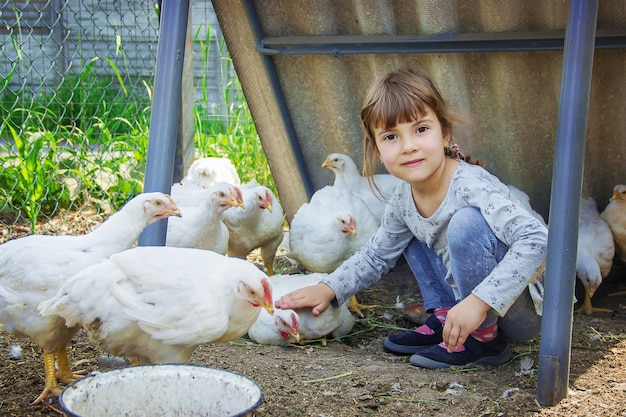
<point>356,377</point>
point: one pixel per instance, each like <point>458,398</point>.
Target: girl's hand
<point>463,319</point>
<point>318,297</point>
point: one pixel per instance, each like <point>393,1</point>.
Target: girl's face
<point>413,151</point>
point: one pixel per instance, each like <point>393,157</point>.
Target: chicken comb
<point>267,290</point>
<point>268,201</point>
<point>294,323</point>
<point>238,193</point>
<point>170,199</point>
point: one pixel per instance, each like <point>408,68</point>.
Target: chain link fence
<point>75,87</point>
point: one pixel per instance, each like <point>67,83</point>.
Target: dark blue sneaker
<point>414,342</point>
<point>493,353</point>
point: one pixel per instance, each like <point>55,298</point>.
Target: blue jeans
<point>474,251</point>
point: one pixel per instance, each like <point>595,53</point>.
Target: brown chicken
<point>615,215</point>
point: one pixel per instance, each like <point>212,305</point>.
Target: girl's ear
<point>447,138</point>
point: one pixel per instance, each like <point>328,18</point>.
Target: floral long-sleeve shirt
<point>471,186</point>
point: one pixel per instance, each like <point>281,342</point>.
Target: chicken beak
<point>173,212</point>
<point>296,336</point>
<point>173,209</point>
<point>352,226</point>
<point>327,164</point>
<point>268,307</point>
<point>236,199</point>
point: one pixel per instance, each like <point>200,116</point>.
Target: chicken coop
<point>548,105</point>
<point>542,80</point>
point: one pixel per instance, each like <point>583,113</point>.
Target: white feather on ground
<point>33,268</point>
<point>202,226</point>
<point>347,175</point>
<point>595,252</point>
<point>156,304</point>
<point>257,225</point>
<point>289,326</point>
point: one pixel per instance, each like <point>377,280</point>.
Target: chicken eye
<point>158,203</point>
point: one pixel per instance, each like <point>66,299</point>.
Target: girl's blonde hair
<point>402,96</point>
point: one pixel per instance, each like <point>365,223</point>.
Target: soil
<point>356,377</point>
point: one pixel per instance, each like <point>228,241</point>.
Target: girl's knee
<point>467,223</point>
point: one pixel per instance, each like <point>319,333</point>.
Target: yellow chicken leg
<point>270,269</point>
<point>52,386</point>
<point>357,308</point>
<point>64,373</point>
<point>587,308</point>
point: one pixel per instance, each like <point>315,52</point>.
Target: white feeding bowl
<point>162,390</point>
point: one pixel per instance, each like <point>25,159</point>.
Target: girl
<point>475,252</point>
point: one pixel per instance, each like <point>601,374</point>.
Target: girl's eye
<point>422,129</point>
<point>389,137</point>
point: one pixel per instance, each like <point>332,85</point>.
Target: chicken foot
<point>65,374</point>
<point>52,387</point>
<point>587,308</point>
<point>357,308</point>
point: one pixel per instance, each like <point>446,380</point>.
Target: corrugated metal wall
<point>512,95</point>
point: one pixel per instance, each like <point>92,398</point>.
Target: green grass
<point>85,140</point>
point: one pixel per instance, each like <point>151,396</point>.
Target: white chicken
<point>156,304</point>
<point>202,174</point>
<point>328,230</point>
<point>202,227</point>
<point>188,195</point>
<point>615,215</point>
<point>595,252</point>
<point>347,175</point>
<point>205,172</point>
<point>288,326</point>
<point>257,225</point>
<point>33,268</point>
<point>322,246</point>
